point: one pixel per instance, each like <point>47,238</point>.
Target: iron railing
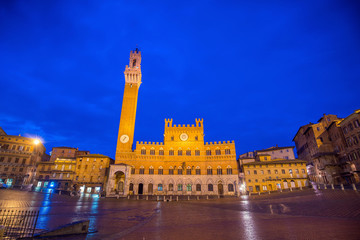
<point>18,223</point>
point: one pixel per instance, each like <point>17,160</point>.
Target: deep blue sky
<point>255,72</point>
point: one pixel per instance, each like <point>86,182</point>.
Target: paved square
<point>308,214</point>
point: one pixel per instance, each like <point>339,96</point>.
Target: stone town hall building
<point>181,165</point>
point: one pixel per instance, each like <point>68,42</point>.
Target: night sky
<point>255,72</point>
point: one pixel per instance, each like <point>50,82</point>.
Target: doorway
<point>220,189</point>
<point>140,190</point>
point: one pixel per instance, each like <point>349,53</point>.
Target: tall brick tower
<point>128,111</point>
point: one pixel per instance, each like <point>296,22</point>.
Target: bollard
<point>137,197</point>
<point>219,196</point>
<point>128,196</point>
<point>290,189</point>
<point>269,192</point>
<point>280,189</point>
<point>332,186</point>
<point>197,197</point>
<point>325,187</point>
<point>354,187</point>
<point>188,198</point>
<point>177,198</point>
<point>157,198</point>
<point>259,193</point>
<point>164,198</point>
<point>342,186</point>
<point>318,187</point>
<point>147,197</point>
<point>207,197</point>
<point>301,188</point>
<point>170,198</point>
<point>249,194</point>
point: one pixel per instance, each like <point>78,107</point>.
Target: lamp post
<point>35,142</point>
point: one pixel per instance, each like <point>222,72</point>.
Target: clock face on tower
<point>124,138</point>
<point>184,137</point>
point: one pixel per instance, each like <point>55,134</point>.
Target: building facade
<point>91,173</point>
<point>184,164</point>
<point>315,147</point>
<point>267,174</point>
<point>18,159</point>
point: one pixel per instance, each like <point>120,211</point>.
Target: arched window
<point>179,171</point>
<point>143,151</point>
<point>171,152</point>
<point>209,171</point>
<point>208,152</point>
<point>160,170</point>
<point>131,187</point>
<point>198,172</point>
<point>219,171</point>
<point>188,187</point>
<point>188,152</point>
<point>160,187</point>
<point>230,187</point>
<point>217,151</point>
<point>152,151</point>
<point>228,170</point>
<point>180,152</point>
<point>132,170</point>
<point>188,170</point>
<point>151,170</point>
<point>197,152</point>
<point>227,151</point>
<point>141,170</point>
<point>210,187</point>
<point>171,171</point>
<point>171,187</point>
<point>172,138</point>
<point>180,187</point>
<point>161,151</point>
<point>196,138</point>
<point>198,187</point>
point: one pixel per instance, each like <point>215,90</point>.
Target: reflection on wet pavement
<point>309,214</point>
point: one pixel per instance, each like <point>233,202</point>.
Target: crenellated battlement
<point>169,124</point>
<point>150,143</point>
<point>220,143</point>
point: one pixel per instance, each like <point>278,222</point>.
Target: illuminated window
<point>188,187</point>
<point>276,172</point>
<point>269,171</point>
<point>262,171</point>
<point>160,187</point>
<point>180,186</point>
<point>296,170</point>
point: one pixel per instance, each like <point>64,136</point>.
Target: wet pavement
<point>308,214</point>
